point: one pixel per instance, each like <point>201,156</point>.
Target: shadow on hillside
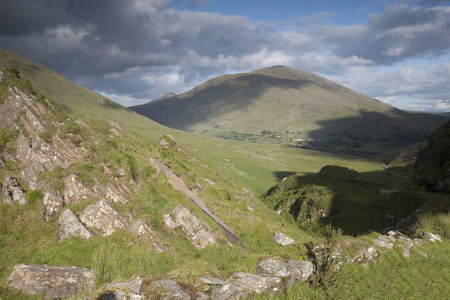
<point>372,133</point>
<point>355,202</point>
<point>210,101</point>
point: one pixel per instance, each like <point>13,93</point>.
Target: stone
<point>212,280</point>
<point>256,283</point>
<point>104,217</point>
<point>51,281</point>
<point>52,203</point>
<point>11,192</point>
<point>384,242</point>
<point>75,191</point>
<point>142,229</point>
<point>282,239</point>
<point>70,225</point>
<point>124,290</point>
<point>273,267</point>
<point>432,237</point>
<point>194,228</point>
<point>115,195</point>
<point>229,291</point>
<point>300,270</point>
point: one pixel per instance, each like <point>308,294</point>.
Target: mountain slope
<point>290,105</point>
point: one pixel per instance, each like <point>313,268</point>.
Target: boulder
<point>104,217</point>
<point>282,239</point>
<point>75,191</point>
<point>195,229</point>
<point>51,281</point>
<point>432,237</point>
<point>273,267</point>
<point>70,226</point>
<point>11,192</point>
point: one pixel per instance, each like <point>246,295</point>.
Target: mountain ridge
<point>291,105</point>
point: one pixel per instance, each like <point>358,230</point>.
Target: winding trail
<point>178,184</point>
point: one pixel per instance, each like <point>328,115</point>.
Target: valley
<point>191,212</point>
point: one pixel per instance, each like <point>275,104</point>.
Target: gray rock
<point>300,270</point>
<point>104,217</point>
<point>52,203</point>
<point>212,280</point>
<point>143,230</point>
<point>432,237</point>
<point>273,267</point>
<point>384,242</point>
<point>366,254</point>
<point>51,281</point>
<point>70,226</point>
<point>256,283</point>
<point>124,290</point>
<point>282,239</point>
<point>195,229</point>
<point>75,191</point>
<point>11,192</point>
<point>229,291</point>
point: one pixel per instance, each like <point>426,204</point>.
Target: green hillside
<point>325,202</point>
<point>284,105</point>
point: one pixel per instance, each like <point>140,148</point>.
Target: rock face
<point>51,281</point>
<point>70,226</point>
<point>195,229</point>
<point>104,217</point>
<point>257,283</point>
<point>11,192</point>
<point>282,239</point>
<point>75,191</point>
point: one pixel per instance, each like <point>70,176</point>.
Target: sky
<point>133,51</point>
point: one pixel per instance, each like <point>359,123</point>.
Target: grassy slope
<point>255,166</point>
<point>26,238</point>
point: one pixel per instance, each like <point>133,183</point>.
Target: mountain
<point>291,106</point>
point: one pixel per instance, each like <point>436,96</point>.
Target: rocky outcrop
<point>52,203</point>
<point>104,217</point>
<point>195,229</point>
<point>179,185</point>
<point>50,281</point>
<point>282,239</point>
<point>75,191</point>
<point>70,225</point>
<point>12,192</point>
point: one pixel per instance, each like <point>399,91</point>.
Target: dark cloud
<point>141,49</point>
<point>400,33</point>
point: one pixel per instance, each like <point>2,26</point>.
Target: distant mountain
<point>287,105</point>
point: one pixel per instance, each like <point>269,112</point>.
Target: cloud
<point>141,49</point>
